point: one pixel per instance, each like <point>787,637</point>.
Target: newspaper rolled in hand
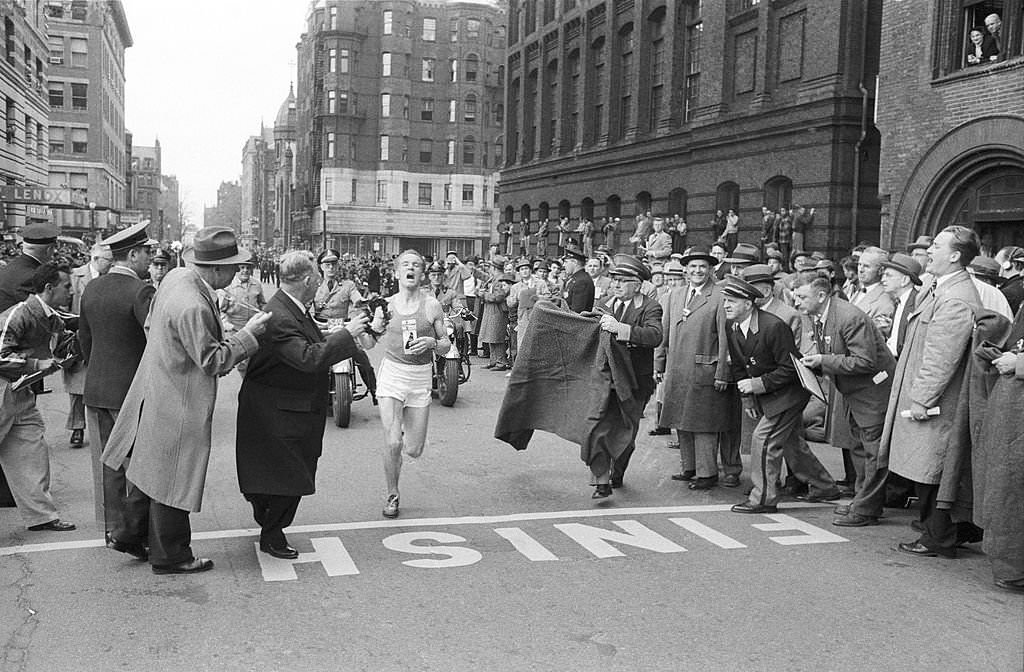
<point>933,411</point>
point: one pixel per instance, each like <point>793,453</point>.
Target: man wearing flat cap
<point>634,321</point>
<point>579,286</point>
<point>111,330</point>
<point>167,415</point>
<point>761,350</point>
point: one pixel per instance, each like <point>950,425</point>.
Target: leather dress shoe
<point>841,509</point>
<point>488,366</point>
<point>819,497</point>
<point>921,551</point>
<point>748,507</point>
<point>77,438</point>
<point>1012,585</point>
<point>192,566</point>
<point>731,481</point>
<point>684,476</point>
<point>855,520</point>
<point>659,431</point>
<point>703,483</point>
<point>137,551</point>
<point>602,490</point>
<point>285,552</point>
<point>53,526</point>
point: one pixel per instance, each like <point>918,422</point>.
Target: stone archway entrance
<point>993,205</point>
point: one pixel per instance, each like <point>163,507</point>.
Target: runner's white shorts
<point>408,383</point>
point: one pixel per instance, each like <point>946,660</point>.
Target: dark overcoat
<point>579,292</point>
<point>111,331</point>
<point>283,402</point>
<point>16,280</point>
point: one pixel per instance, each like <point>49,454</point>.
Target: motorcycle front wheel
<point>448,382</point>
<point>342,399</point>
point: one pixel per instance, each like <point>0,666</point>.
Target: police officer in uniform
<point>579,286</point>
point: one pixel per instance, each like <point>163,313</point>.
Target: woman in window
<point>980,50</point>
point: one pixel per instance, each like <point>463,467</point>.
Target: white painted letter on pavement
<point>330,553</point>
<point>811,534</point>
<point>705,532</point>
<point>457,555</point>
<point>525,544</point>
<point>594,538</point>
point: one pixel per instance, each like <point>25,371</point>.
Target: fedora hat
<point>630,266</point>
<point>758,273</point>
<point>986,268</point>
<point>673,268</point>
<point>905,264</point>
<point>698,253</point>
<point>740,288</point>
<point>215,246</point>
<point>922,243</point>
<point>744,253</point>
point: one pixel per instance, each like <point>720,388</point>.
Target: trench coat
<point>694,353</point>
<point>494,323</point>
<point>168,413</point>
<point>930,371</point>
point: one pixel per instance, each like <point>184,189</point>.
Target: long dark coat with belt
<point>694,353</point>
<point>283,402</point>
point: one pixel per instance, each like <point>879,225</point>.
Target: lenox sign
<point>40,195</point>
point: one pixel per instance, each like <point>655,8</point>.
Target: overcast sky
<point>201,76</point>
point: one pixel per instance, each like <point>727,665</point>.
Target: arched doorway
<point>993,205</point>
<point>643,202</point>
<point>677,203</point>
<point>564,208</point>
<point>778,193</point>
<point>613,207</point>
<point>543,211</point>
<point>587,208</point>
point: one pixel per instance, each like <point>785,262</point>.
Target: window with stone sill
<point>953,48</point>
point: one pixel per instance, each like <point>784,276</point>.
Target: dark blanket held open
<point>563,377</point>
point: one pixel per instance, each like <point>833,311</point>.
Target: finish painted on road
<point>434,522</point>
<point>335,558</point>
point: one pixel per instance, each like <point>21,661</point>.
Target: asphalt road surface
<point>500,561</point>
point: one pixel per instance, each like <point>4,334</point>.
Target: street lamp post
<point>92,219</point>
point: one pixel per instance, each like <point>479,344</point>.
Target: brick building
<point>144,188</point>
<point>398,125</point>
<point>85,88</point>
<point>257,187</point>
<point>952,132</point>
<point>23,151</point>
<point>284,172</point>
<point>616,107</point>
<point>228,211</point>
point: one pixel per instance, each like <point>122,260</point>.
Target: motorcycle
<point>345,385</point>
<point>453,368</point>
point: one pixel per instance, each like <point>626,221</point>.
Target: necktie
<point>620,311</point>
<point>819,335</point>
<point>689,299</point>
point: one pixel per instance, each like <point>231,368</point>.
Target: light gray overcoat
<point>167,415</point>
<point>930,371</point>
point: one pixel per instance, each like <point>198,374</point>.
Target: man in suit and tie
<point>634,320</point>
<point>762,350</point>
<point>283,403</point>
<point>111,331</point>
<point>871,297</point>
<point>901,280</point>
<point>853,352</point>
<point>167,416</point>
<point>74,377</point>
